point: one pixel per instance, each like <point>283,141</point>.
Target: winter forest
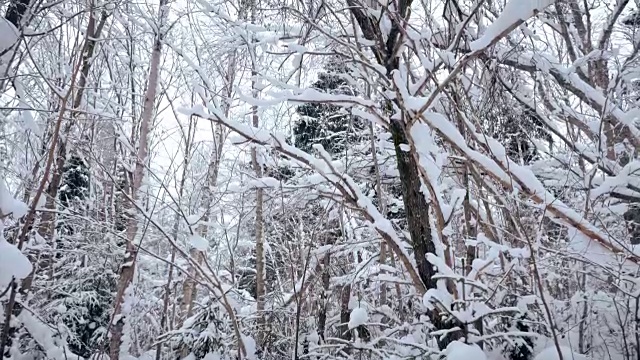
<point>320,179</point>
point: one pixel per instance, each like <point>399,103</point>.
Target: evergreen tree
<point>74,188</point>
<point>326,124</point>
<point>75,181</point>
<point>206,332</point>
<point>83,304</point>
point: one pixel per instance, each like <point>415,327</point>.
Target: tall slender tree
<point>128,268</point>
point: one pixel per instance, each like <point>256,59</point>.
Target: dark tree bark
<point>343,328</point>
<point>416,207</point>
<point>415,204</point>
<point>326,277</point>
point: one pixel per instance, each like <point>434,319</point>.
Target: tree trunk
<point>189,289</point>
<point>260,275</point>
<point>343,328</point>
<point>30,217</point>
<point>257,167</point>
<point>189,286</point>
<point>128,268</point>
<point>324,295</point>
<point>174,234</point>
<point>416,206</point>
<point>382,260</point>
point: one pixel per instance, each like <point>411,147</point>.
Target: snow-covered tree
<point>337,179</point>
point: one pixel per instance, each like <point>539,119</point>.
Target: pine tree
<point>74,188</point>
<point>327,124</point>
<point>75,182</point>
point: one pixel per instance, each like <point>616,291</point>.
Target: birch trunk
<point>383,209</point>
<point>189,289</point>
<point>174,234</point>
<point>128,268</point>
<point>260,266</point>
<point>260,278</point>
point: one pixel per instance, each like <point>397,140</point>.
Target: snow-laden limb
<point>343,182</point>
<point>315,96</point>
<point>620,183</point>
<point>13,263</point>
<point>567,78</point>
<point>49,340</point>
<point>593,251</point>
<point>379,222</point>
<point>586,152</point>
<point>431,159</point>
<point>513,176</point>
<point>9,205</point>
<point>310,96</point>
<point>513,14</point>
<point>602,103</point>
<point>264,182</point>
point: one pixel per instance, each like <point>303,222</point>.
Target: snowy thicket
<point>320,179</point>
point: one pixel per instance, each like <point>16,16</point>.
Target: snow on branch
<point>343,182</point>
<point>514,14</point>
<point>513,176</point>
